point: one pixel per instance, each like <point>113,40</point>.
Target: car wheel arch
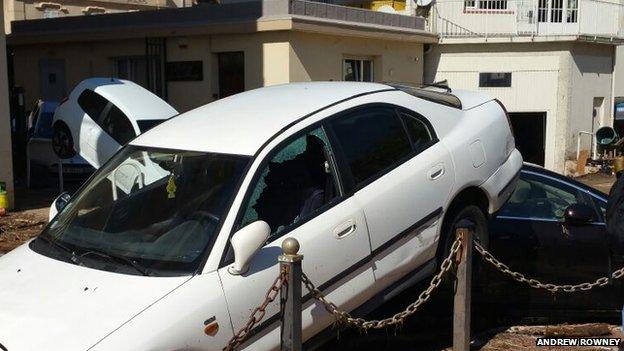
<point>471,195</point>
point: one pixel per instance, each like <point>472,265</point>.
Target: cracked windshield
<point>147,211</point>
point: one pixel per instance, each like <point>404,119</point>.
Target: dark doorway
<point>231,73</point>
<point>530,133</point>
<point>155,59</point>
<point>52,73</point>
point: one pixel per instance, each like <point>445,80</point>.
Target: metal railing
<point>335,12</point>
<point>515,18</point>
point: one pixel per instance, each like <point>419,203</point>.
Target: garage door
<point>530,133</point>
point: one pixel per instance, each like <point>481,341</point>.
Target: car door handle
<point>344,229</point>
<point>436,172</point>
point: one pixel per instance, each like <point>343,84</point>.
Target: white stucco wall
<point>588,76</point>
<point>534,86</point>
<point>558,78</point>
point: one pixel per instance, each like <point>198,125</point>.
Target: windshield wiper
<point>112,257</point>
<point>71,254</point>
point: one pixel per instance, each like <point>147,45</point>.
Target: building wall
<point>82,60</point>
<point>589,77</point>
<point>270,58</point>
<point>6,162</point>
<point>558,78</point>
<point>15,10</point>
<point>618,78</point>
<point>317,57</point>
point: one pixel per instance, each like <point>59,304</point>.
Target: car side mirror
<point>577,214</point>
<point>59,204</point>
<point>246,243</point>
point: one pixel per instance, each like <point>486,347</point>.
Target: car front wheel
<point>62,141</point>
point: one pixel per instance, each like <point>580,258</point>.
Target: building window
<point>495,80</point>
<point>356,70</point>
<point>131,68</point>
<point>571,16</point>
<point>93,10</point>
<point>486,4</point>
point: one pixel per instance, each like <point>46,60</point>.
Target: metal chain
<point>398,318</point>
<point>259,312</point>
<point>534,283</point>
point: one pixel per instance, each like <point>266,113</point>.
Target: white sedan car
<point>369,178</point>
<point>103,114</point>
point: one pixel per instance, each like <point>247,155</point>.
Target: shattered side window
<point>294,184</point>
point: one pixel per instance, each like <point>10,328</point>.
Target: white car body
<point>382,234</point>
<point>91,141</point>
<point>39,147</point>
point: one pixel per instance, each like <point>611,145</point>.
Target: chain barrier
<point>534,283</point>
<point>454,256</point>
<point>258,313</point>
<point>398,318</point>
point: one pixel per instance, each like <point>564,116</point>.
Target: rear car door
<point>297,192</point>
<point>401,176</point>
<point>529,235</point>
<point>93,106</point>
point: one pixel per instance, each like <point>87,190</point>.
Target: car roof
<point>242,123</point>
<point>129,97</point>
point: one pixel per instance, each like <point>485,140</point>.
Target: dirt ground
<point>27,220</point>
<point>600,181</point>
<point>524,337</point>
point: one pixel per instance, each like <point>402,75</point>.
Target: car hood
<point>53,305</point>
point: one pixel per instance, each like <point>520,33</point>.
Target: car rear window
<point>373,140</point>
<point>92,103</point>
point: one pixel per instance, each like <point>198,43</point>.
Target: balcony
<point>527,18</point>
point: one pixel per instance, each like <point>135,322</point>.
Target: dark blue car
<point>533,234</point>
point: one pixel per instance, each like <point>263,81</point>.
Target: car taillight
<point>64,100</point>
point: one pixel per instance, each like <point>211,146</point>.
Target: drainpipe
<point>612,109</point>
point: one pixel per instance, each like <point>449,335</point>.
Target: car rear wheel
<point>456,215</point>
<point>62,141</point>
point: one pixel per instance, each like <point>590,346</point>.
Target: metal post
<point>461,315</point>
<point>60,176</point>
<point>290,296</point>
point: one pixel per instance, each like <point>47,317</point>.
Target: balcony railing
<point>515,18</point>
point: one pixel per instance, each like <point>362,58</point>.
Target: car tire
<point>457,214</point>
<point>62,141</point>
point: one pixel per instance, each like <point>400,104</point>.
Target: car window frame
<point>97,118</point>
<point>588,194</point>
<point>350,185</point>
<point>104,116</point>
<point>227,256</point>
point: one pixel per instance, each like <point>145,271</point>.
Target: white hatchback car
<point>103,114</point>
<point>369,178</point>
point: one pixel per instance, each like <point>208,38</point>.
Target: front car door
<point>297,192</point>
<point>529,235</point>
<point>401,176</point>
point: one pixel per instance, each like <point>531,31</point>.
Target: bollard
<point>461,306</point>
<point>290,296</point>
